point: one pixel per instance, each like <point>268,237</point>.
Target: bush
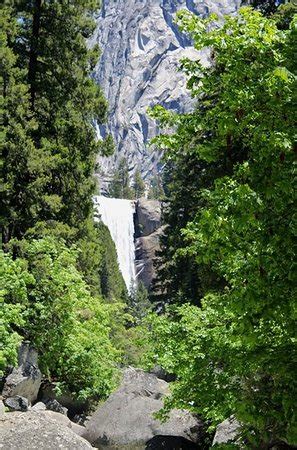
<point>69,328</point>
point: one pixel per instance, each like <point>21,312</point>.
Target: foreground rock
<point>25,379</point>
<point>227,431</point>
<point>125,420</point>
<point>44,430</point>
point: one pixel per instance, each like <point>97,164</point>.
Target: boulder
<point>148,216</point>
<point>227,431</point>
<point>39,430</point>
<point>24,380</point>
<point>17,403</point>
<point>54,405</point>
<point>125,420</point>
<point>40,406</point>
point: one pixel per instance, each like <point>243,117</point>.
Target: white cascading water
<point>117,214</point>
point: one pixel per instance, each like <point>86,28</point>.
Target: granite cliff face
<point>141,49</point>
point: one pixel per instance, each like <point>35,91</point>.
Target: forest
<point>221,315</point>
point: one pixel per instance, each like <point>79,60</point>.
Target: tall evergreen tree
<point>138,184</point>
<point>51,51</point>
<point>120,184</point>
<point>19,156</point>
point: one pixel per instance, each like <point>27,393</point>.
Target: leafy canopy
<point>236,354</point>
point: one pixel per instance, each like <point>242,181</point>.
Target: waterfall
<point>117,214</point>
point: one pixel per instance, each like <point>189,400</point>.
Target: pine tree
<point>156,191</point>
<point>51,52</point>
<point>120,185</point>
<point>19,158</point>
<point>138,184</point>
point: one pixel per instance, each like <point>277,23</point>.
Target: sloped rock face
<point>141,49</point>
<point>125,420</point>
<point>148,231</point>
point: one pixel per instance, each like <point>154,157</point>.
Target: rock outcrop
<point>141,51</point>
<point>125,420</point>
<point>25,379</point>
<point>147,232</point>
<point>40,430</point>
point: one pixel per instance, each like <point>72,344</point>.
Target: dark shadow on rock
<point>170,443</point>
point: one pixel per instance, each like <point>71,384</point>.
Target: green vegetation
<point>235,354</point>
<point>138,184</point>
<point>120,186</point>
<point>60,284</point>
<point>69,327</point>
<point>226,271</point>
<point>156,191</point>
<point>139,303</point>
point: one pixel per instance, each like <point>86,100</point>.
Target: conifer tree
<point>19,157</point>
<point>120,184</point>
<point>138,184</point>
<point>51,52</point>
<point>156,191</point>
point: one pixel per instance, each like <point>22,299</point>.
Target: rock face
<point>226,431</point>
<point>39,430</point>
<point>148,216</point>
<point>24,380</point>
<point>141,49</point>
<point>147,231</point>
<point>125,420</point>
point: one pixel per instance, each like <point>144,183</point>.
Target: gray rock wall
<point>147,232</point>
<point>141,49</point>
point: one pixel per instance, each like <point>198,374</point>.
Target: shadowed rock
<point>147,231</point>
<point>25,379</point>
<point>170,443</point>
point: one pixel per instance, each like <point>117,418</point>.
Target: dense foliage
<point>53,294</point>
<point>235,354</point>
<point>69,327</point>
